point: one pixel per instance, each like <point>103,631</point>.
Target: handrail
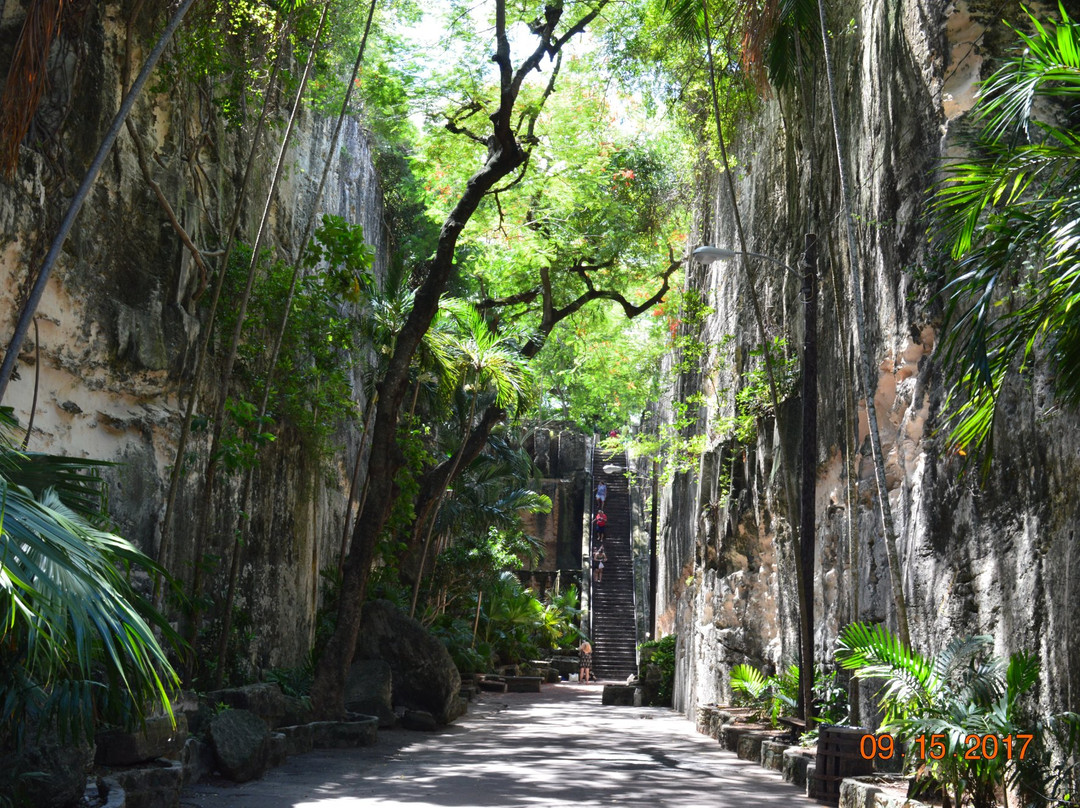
<point>586,541</point>
<point>630,478</point>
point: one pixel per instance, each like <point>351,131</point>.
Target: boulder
<point>424,676</point>
<point>264,700</point>
<point>368,690</point>
<point>241,744</point>
<point>621,696</point>
<point>48,773</point>
<point>298,740</point>
<point>156,738</point>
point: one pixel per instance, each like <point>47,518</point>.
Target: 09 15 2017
<point>976,746</point>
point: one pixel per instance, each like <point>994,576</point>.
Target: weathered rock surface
<point>424,675</point>
<point>157,738</point>
<point>53,774</point>
<point>994,556</point>
<point>241,744</point>
<point>368,690</point>
<point>264,700</point>
<point>152,785</point>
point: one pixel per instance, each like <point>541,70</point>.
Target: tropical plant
<point>1009,215</point>
<point>772,696</point>
<point>77,642</point>
<point>661,653</point>
<point>937,705</point>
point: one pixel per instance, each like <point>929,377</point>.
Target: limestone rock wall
<point>1001,558</point>
<point>118,328</point>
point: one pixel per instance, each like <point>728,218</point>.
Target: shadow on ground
<point>561,747</point>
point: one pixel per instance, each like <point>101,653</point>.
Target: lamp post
<point>808,455</point>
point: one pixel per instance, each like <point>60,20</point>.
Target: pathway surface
<point>558,748</point>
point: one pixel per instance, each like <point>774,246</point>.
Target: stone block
<point>523,684</point>
<point>156,738</point>
<point>796,761</point>
<point>298,739</point>
<point>344,734</point>
<point>279,749</point>
<point>618,695</point>
<point>492,685</point>
<point>857,792</point>
<point>749,746</point>
<point>154,785</point>
<point>241,744</point>
<point>772,755</point>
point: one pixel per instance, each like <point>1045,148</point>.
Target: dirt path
<point>558,748</point>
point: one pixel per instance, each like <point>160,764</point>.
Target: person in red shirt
<point>600,521</point>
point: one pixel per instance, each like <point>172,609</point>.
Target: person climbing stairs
<point>614,633</point>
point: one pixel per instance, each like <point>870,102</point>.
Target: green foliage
<point>599,370</point>
<point>771,696</point>
<point>312,388</point>
<point>237,669</point>
<point>1009,215</point>
<point>958,693</point>
<point>294,682</point>
<point>776,696</point>
<point>77,642</point>
<point>663,656</point>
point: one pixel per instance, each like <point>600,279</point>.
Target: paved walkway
<point>558,748</point>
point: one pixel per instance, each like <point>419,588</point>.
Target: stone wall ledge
<point>874,792</point>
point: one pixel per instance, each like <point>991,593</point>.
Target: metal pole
<point>808,475</point>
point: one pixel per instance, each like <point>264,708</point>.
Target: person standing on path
<point>601,496</point>
<point>584,661</point>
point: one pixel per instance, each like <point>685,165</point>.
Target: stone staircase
<point>614,637</point>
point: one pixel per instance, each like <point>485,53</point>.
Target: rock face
<point>424,675</point>
<point>241,744</point>
<point>122,316</point>
<point>1001,559</point>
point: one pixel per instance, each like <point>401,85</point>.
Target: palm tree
<point>76,640</point>
<point>937,705</point>
<point>487,361</point>
<point>1010,216</point>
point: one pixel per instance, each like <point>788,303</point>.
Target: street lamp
<point>808,459</point>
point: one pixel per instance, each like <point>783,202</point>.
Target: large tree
<point>508,141</point>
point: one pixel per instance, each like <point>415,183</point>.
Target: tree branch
<point>528,296</point>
